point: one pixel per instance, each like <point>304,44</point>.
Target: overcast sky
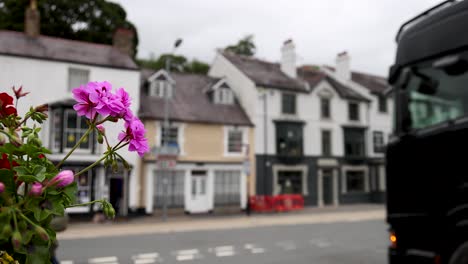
<point>320,29</point>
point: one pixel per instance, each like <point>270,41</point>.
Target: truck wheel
<point>460,256</point>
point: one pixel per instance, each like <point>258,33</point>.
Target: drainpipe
<point>265,139</point>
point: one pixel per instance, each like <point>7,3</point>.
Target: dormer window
<point>160,85</point>
<point>223,95</point>
<point>159,88</point>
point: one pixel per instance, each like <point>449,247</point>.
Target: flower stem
<point>101,159</point>
<point>75,147</point>
<point>15,220</point>
<point>88,203</point>
<point>92,165</point>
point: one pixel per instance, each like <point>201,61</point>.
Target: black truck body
<point>427,157</point>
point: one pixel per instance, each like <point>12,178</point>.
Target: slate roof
<point>375,84</point>
<point>57,49</point>
<point>265,74</point>
<point>191,103</point>
<point>314,76</point>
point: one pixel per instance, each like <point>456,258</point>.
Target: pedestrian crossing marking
<point>106,260</point>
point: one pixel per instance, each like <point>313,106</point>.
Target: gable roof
<point>57,49</point>
<point>191,103</point>
<point>375,84</point>
<point>263,73</point>
<point>314,76</point>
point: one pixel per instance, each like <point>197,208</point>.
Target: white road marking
<point>107,260</point>
<point>66,262</point>
<point>224,251</point>
<point>320,243</point>
<point>147,258</point>
<point>287,245</point>
<point>254,249</point>
<point>185,257</point>
<point>145,261</point>
<point>187,254</point>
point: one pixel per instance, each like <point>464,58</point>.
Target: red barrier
<point>261,203</point>
<point>278,203</point>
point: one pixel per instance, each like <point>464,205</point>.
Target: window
<point>354,142</point>
<point>77,77</point>
<point>56,129</point>
<point>378,139</point>
<point>170,136</point>
<point>290,182</point>
<point>325,107</point>
<point>175,188</point>
<point>326,142</point>
<point>355,181</point>
<point>235,142</point>
<point>289,139</point>
<point>382,104</point>
<point>74,128</point>
<point>353,111</point>
<point>223,96</point>
<point>159,88</point>
<point>288,103</point>
<point>227,187</point>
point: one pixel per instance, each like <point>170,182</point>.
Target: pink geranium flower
<point>135,135</point>
<point>62,179</point>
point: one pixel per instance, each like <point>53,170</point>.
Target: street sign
<point>166,164</point>
<point>246,167</point>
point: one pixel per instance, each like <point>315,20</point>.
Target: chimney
<point>343,70</point>
<point>123,40</point>
<point>32,20</point>
<point>288,58</point>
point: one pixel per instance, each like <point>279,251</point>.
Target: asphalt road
<point>333,243</point>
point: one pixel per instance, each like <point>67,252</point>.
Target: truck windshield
<point>436,94</point>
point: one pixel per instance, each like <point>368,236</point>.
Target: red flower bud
<point>16,240</point>
<point>42,233</point>
<point>19,93</point>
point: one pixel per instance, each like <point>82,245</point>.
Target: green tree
<point>86,20</point>
<point>178,63</point>
<point>245,46</point>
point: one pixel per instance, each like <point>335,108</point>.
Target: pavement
<point>176,224</point>
<point>341,237</point>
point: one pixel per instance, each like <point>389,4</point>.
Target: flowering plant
<point>34,190</point>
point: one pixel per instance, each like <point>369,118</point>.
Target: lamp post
<point>166,129</point>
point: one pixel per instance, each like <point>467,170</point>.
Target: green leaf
<point>22,170</point>
<point>27,178</point>
<point>70,191</point>
<point>6,176</point>
<point>39,172</point>
<point>38,255</point>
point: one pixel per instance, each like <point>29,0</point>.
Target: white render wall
<point>378,121</point>
<point>48,82</point>
<point>308,110</point>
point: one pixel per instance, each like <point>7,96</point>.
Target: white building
<point>49,68</point>
<point>313,127</point>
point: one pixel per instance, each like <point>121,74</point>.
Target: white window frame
<point>223,96</point>
<point>245,141</point>
<point>64,137</point>
<point>180,136</point>
<point>158,88</point>
<point>72,71</point>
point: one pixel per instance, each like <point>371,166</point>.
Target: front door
<point>199,202</point>
<point>327,184</point>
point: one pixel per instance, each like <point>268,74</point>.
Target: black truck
<point>427,156</point>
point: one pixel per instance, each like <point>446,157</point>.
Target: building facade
<point>214,138</point>
<point>49,68</point>
<point>314,130</point>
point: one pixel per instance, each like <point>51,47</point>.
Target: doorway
<point>199,200</point>
<point>327,182</point>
